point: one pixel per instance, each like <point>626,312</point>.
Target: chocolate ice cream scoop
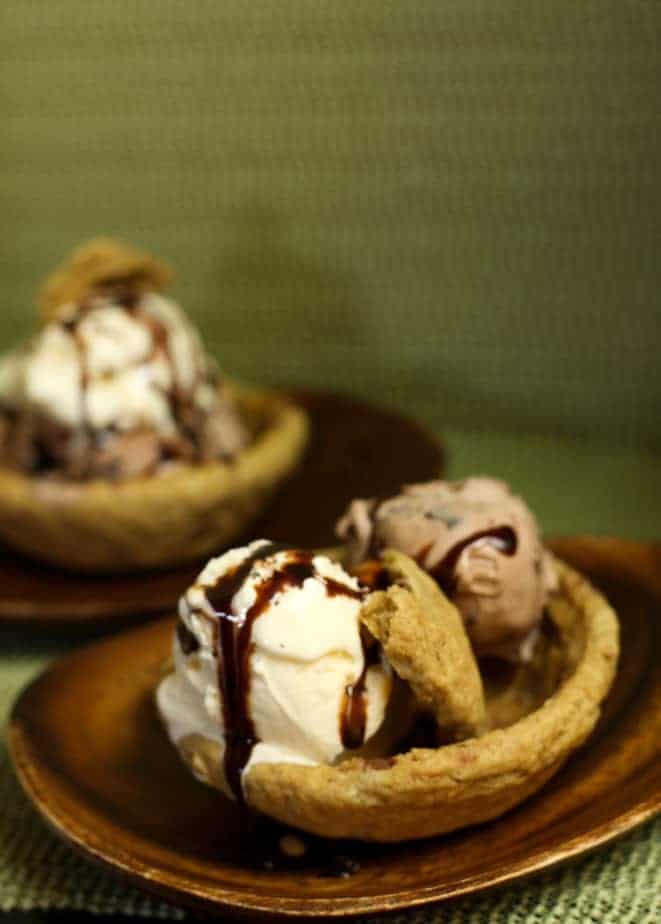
<point>479,541</point>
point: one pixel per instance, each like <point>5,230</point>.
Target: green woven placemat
<point>567,484</point>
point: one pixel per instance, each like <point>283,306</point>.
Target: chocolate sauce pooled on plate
<point>234,639</point>
<point>502,537</point>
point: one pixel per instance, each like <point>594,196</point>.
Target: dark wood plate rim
<point>189,893</point>
<point>199,893</point>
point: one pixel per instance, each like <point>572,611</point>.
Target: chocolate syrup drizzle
<point>161,344</point>
<point>130,299</point>
<point>372,575</point>
<point>502,538</point>
<point>70,325</point>
<point>187,640</point>
<point>234,641</point>
<point>353,714</point>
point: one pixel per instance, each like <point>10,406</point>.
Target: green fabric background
<point>451,204</point>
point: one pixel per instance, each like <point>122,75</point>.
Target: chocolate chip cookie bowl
<point>121,445</point>
<point>349,696</point>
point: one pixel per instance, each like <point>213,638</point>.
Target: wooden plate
<point>355,450</point>
<point>91,755</point>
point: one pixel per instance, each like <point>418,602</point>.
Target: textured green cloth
<point>450,204</point>
<point>573,487</point>
<point>619,884</point>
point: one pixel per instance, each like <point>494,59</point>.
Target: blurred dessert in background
<point>116,382</point>
<point>121,446</point>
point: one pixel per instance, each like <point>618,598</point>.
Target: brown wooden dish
<point>348,442</point>
<point>92,756</point>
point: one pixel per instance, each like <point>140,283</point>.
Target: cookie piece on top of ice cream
<point>282,657</point>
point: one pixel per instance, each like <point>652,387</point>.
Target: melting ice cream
<point>271,666</point>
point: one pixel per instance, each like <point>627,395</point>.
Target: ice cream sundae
<point>121,445</point>
<point>116,382</point>
<point>305,688</point>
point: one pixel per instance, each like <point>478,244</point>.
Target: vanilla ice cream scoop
<point>115,383</point>
<point>479,541</point>
<point>271,666</point>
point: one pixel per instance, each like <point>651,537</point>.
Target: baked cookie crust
<point>423,637</point>
<point>429,791</point>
